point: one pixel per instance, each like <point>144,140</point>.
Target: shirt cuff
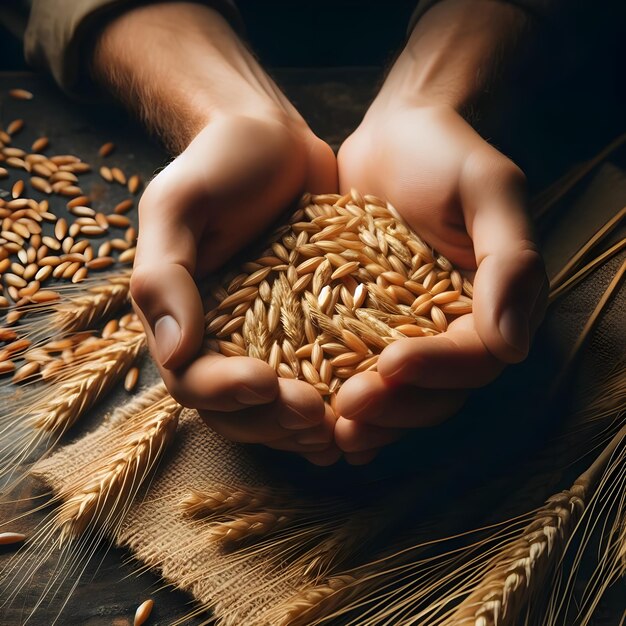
<point>58,32</point>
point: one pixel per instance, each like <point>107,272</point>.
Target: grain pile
<point>37,244</point>
<point>50,238</point>
<point>339,283</point>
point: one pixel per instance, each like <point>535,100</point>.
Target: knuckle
<point>490,170</point>
<point>179,391</point>
<point>141,286</point>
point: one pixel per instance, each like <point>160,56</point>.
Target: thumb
<point>510,285</point>
<point>165,294</point>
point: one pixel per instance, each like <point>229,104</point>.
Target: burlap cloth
<point>498,416</point>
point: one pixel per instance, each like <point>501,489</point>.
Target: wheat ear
<point>96,303</point>
<point>200,504</point>
<point>84,384</point>
<point>117,475</point>
<point>522,566</point>
<point>247,525</point>
<point>310,602</point>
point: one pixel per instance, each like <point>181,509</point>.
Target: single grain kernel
<point>143,612</point>
<point>106,149</point>
<point>20,94</point>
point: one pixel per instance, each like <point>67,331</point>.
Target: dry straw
<point>99,301</point>
<point>82,386</point>
<point>114,478</point>
<point>339,283</point>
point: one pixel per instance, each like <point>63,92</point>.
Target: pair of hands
<point>240,172</point>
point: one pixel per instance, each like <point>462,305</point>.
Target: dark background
<point>563,98</point>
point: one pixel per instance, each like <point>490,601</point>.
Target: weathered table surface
<point>333,101</point>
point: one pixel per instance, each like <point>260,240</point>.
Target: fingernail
<point>245,395</point>
<point>294,419</point>
<point>514,329</point>
<point>167,337</point>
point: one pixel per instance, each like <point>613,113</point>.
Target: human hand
<point>235,178</point>
<point>466,200</point>
<point>245,156</point>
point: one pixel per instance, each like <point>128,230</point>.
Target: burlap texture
<point>158,534</point>
<point>155,529</point>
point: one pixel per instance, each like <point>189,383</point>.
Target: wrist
<point>179,66</point>
<point>453,54</point>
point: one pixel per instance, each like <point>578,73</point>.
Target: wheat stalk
<point>117,475</point>
<point>82,385</point>
<point>98,302</point>
<point>522,566</point>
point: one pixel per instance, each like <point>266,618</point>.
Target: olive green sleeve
<point>59,34</point>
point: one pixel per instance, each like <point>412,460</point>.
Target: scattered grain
<point>10,538</point>
<point>15,126</point>
<point>20,94</point>
<point>40,144</point>
<point>132,376</point>
<point>143,612</point>
<point>123,207</point>
<point>134,184</point>
<point>106,149</point>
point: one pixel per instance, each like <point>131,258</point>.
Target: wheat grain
<point>143,612</point>
<point>345,271</point>
<point>9,538</point>
<point>106,149</point>
<point>123,207</point>
<point>15,126</point>
<point>134,184</point>
<point>21,94</point>
<point>40,144</point>
<point>130,381</point>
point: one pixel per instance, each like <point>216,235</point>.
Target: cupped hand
<point>235,177</point>
<point>466,200</point>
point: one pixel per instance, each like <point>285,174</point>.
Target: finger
<point>355,436</point>
<point>297,402</point>
<point>456,359</point>
<point>511,276</point>
<point>316,439</point>
<point>389,406</point>
<point>361,458</point>
<point>323,459</point>
<point>214,382</point>
<point>162,284</point>
<point>322,171</point>
<point>289,444</point>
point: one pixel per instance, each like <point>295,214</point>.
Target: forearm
<point>454,53</point>
<point>178,66</point>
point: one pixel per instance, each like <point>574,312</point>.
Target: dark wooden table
<point>333,101</point>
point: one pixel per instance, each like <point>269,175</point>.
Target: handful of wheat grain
<point>340,282</point>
